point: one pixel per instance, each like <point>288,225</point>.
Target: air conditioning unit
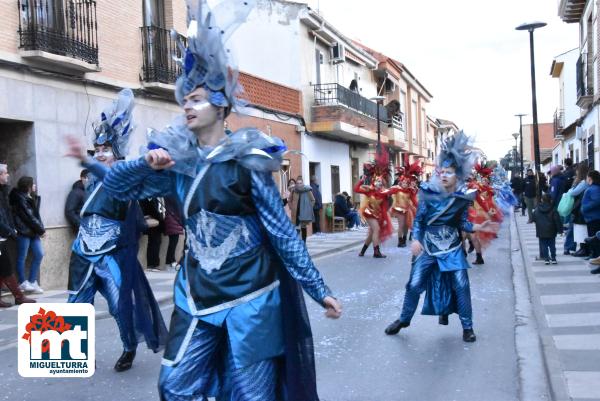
<point>338,53</point>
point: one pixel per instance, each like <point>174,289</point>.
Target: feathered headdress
<point>415,170</point>
<point>483,170</point>
<point>116,124</point>
<point>457,151</point>
<point>206,61</point>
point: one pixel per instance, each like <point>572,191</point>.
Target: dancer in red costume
<point>484,208</point>
<point>404,202</point>
<point>374,205</point>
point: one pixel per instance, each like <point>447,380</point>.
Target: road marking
<point>573,319</point>
<point>581,342</point>
<point>560,268</point>
<point>583,384</point>
<point>570,299</point>
<point>567,280</point>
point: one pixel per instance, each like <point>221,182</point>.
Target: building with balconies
<point>567,115</point>
<point>586,76</point>
<point>63,61</point>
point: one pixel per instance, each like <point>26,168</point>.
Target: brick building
<point>62,62</point>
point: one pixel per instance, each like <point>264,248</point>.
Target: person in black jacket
<point>75,200</point>
<point>529,194</point>
<point>25,205</point>
<point>7,232</point>
<point>154,213</point>
<point>547,227</point>
<point>342,209</point>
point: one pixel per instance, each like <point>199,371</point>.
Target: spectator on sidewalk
<point>25,204</point>
<point>173,229</point>
<point>316,191</point>
<point>154,214</point>
<point>291,184</point>
<point>301,202</point>
<point>570,172</point>
<point>590,208</point>
<point>547,227</point>
<point>75,200</point>
<point>341,209</point>
<point>8,233</point>
<point>577,231</point>
<point>542,184</point>
<point>596,261</point>
<point>529,194</point>
<point>518,186</point>
<point>557,185</point>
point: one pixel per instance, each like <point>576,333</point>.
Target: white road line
<point>568,280</point>
<point>578,342</point>
<point>570,299</point>
<point>583,384</point>
<point>573,319</point>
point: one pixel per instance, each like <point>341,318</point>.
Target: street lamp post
<point>536,137</point>
<point>521,135</point>
<point>378,100</point>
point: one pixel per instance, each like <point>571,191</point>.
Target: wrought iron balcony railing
<point>559,122</point>
<point>63,27</point>
<point>335,94</point>
<point>158,49</point>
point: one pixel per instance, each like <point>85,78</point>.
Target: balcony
<point>585,82</point>
<point>559,124</point>
<point>159,69</point>
<point>570,11</point>
<point>62,33</point>
<point>347,115</point>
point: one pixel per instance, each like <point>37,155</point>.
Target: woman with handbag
<point>579,225</point>
<point>25,205</point>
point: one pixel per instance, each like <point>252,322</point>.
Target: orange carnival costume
<point>404,202</point>
<point>374,204</point>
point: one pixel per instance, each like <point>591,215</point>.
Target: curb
<point>551,361</point>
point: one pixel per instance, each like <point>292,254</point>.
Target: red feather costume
<point>484,208</point>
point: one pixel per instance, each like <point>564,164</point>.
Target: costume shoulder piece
<point>251,147</point>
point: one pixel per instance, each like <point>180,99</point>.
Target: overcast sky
<point>467,54</point>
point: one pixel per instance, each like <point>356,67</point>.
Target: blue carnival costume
<point>441,268</point>
<point>239,329</point>
<point>504,196</point>
<point>104,256</point>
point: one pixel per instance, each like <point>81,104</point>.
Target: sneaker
<point>26,286</point>
<point>554,262</point>
<point>547,262</point>
<point>36,289</point>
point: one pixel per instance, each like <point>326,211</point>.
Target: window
<point>154,13</point>
<point>414,117</point>
<point>335,180</point>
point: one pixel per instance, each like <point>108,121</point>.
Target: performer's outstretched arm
<point>283,237</point>
<point>137,180</point>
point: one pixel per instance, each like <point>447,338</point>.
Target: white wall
<point>327,153</point>
<point>267,44</point>
<point>568,82</point>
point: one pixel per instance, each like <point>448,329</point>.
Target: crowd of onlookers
<point>569,203</point>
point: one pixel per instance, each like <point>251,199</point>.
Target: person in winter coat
<point>8,232</point>
<point>590,209</point>
<point>154,213</point>
<point>25,204</point>
<point>75,200</point>
<point>173,229</point>
<point>577,229</point>
<point>558,184</point>
<point>316,191</point>
<point>341,209</point>
<point>301,202</point>
<point>529,194</point>
<point>547,227</point>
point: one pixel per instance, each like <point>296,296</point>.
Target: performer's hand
<point>76,148</point>
<point>416,248</point>
<point>159,159</point>
<point>487,226</point>
<point>334,308</point>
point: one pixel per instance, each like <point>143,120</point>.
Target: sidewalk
<point>162,281</point>
<point>566,299</point>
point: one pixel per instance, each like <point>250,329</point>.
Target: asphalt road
<point>356,361</point>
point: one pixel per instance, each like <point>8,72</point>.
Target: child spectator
<point>547,227</point>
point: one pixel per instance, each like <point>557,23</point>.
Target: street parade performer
<point>404,202</point>
<point>483,208</point>
<point>239,329</point>
<point>374,204</point>
<point>104,256</point>
<point>503,193</point>
<point>441,215</point>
